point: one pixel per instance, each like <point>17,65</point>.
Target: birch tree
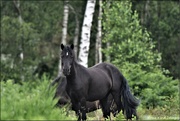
<point>85,35</point>
<point>65,21</point>
<point>98,54</point>
<point>108,57</point>
<point>64,29</point>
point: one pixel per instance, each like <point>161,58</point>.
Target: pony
<point>96,83</point>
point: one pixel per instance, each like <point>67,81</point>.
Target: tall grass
<point>30,101</point>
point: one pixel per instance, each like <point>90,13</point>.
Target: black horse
<point>64,99</point>
<point>96,83</point>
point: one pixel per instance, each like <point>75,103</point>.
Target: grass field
<point>33,101</point>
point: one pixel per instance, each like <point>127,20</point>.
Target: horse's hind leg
<point>117,99</point>
<point>105,107</point>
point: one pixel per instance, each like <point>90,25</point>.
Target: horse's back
<point>113,72</point>
<point>107,67</point>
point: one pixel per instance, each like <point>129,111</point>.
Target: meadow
<point>33,100</point>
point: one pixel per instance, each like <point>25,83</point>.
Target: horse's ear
<point>62,46</point>
<point>72,46</point>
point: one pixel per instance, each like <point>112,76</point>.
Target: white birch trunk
<point>64,29</point>
<point>100,32</point>
<point>85,35</point>
<point>108,58</point>
<point>65,22</point>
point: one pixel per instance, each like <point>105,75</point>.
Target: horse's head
<point>67,58</point>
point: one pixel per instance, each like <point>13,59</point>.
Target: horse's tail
<point>129,102</point>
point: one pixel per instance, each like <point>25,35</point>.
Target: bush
<point>153,88</point>
<point>31,100</point>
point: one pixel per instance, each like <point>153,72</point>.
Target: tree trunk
<point>17,5</point>
<point>158,16</point>
<point>146,13</point>
<point>64,29</point>
<point>100,32</point>
<point>76,33</point>
<point>108,58</point>
<point>65,22</point>
<point>142,15</point>
<point>98,53</point>
<point>85,35</point>
<point>96,50</point>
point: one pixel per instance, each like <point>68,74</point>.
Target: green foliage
<point>167,23</point>
<point>33,36</point>
<point>38,36</point>
<point>128,40</point>
<point>16,38</point>
<point>29,101</point>
<point>133,51</point>
<point>161,18</point>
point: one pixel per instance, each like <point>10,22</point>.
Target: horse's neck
<point>74,71</point>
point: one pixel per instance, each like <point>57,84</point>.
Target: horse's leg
<point>105,107</point>
<point>83,108</point>
<point>117,99</point>
<point>76,108</point>
<point>136,116</point>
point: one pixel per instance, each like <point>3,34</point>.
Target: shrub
<point>27,102</point>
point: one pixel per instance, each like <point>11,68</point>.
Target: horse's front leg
<point>76,108</point>
<point>83,108</point>
<point>78,113</point>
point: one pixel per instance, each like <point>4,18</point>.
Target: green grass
<point>159,113</point>
<point>33,101</point>
<point>155,114</point>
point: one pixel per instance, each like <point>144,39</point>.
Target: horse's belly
<point>96,96</point>
<point>98,91</point>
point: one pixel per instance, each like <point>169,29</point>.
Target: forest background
<point>141,38</point>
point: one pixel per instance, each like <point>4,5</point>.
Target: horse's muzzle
<point>66,72</point>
